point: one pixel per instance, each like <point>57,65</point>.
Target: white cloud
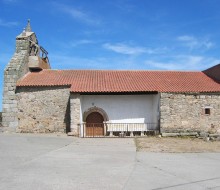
<point>60,61</point>
<point>7,24</point>
<point>179,62</point>
<point>123,5</point>
<point>184,62</point>
<point>124,49</point>
<point>186,38</point>
<point>77,14</point>
<point>195,43</point>
<point>80,42</point>
<point>131,50</point>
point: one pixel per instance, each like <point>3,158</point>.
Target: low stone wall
<point>182,113</point>
<point>43,109</point>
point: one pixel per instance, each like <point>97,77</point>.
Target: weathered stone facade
<point>43,109</point>
<point>17,67</point>
<point>186,112</point>
<point>75,107</point>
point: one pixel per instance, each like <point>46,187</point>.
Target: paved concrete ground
<point>50,162</point>
<point>179,171</point>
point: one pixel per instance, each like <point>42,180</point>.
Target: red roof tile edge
<point>99,81</point>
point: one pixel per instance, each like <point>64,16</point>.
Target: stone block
<point>15,109</point>
<point>193,133</point>
<point>6,106</point>
<point>11,93</point>
<point>72,133</point>
<point>185,122</point>
<point>12,106</point>
<point>206,139</point>
<point>13,124</point>
<point>18,130</point>
<point>9,129</point>
<point>203,134</point>
<point>11,88</point>
<point>188,134</point>
<point>214,135</point>
<point>170,134</point>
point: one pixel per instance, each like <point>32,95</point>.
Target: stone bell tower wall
<point>16,68</point>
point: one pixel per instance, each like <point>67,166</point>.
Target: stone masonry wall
<point>43,109</point>
<point>75,107</point>
<point>17,67</point>
<point>186,113</point>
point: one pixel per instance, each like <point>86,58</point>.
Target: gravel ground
<point>176,145</point>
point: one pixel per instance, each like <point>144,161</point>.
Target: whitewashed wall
<point>156,107</point>
<point>124,108</point>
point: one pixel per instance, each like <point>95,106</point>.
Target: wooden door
<point>94,125</point>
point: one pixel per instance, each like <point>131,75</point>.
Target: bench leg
<point>131,134</point>
<point>142,133</point>
<point>122,134</point>
<point>111,134</point>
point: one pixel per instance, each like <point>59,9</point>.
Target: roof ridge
<point>175,71</point>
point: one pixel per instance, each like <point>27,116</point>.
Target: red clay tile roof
<point>99,81</point>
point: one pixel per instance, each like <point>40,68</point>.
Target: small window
<point>207,111</point>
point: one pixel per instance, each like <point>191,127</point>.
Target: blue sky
<point>116,34</point>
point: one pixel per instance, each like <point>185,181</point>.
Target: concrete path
<point>53,163</point>
<point>181,171</point>
<point>29,162</point>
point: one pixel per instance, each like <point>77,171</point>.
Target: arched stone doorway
<point>94,118</point>
<point>94,124</point>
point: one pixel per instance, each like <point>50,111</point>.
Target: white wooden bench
<point>126,127</point>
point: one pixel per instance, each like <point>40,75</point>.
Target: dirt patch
<point>176,145</point>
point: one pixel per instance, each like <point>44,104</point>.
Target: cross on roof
<point>28,27</point>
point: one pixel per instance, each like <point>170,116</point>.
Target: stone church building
<point>39,99</point>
